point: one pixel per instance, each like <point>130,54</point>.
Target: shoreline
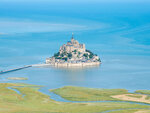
<point>69,64</point>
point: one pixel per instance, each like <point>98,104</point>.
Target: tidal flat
<point>30,100</point>
<point>17,78</point>
<point>73,93</point>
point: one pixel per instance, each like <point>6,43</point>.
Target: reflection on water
<point>72,74</point>
<point>76,74</point>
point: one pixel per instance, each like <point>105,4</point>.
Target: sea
<point>118,31</point>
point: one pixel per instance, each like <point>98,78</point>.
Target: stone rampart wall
<point>75,64</point>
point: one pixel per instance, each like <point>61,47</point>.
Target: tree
<point>65,58</point>
<point>69,55</point>
<point>59,57</point>
<point>75,51</point>
<point>62,55</point>
<point>99,60</point>
<point>85,55</point>
<point>88,51</point>
<point>91,54</point>
<point>56,55</point>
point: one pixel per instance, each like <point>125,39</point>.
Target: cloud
<point>31,26</point>
<point>15,25</point>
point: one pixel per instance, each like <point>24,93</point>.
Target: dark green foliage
<point>75,51</point>
<point>59,58</point>
<point>99,60</point>
<point>65,58</point>
<point>69,55</point>
<point>85,55</point>
<point>88,51</point>
<point>62,55</point>
<point>91,54</point>
<point>56,55</point>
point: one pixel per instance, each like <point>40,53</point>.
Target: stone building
<point>73,54</point>
<point>71,46</point>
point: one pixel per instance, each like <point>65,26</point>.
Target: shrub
<point>56,55</point>
<point>75,51</point>
<point>65,58</point>
<point>91,54</point>
<point>85,55</point>
<point>99,60</point>
<point>62,55</point>
<point>69,55</point>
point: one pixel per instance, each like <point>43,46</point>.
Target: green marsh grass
<point>88,94</point>
<point>143,91</point>
<point>34,101</point>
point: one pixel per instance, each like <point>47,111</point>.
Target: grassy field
<point>34,101</point>
<point>132,111</point>
<point>88,94</point>
<point>135,95</point>
<point>147,92</point>
<point>143,91</point>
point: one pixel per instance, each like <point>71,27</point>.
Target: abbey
<point>73,54</point>
<point>71,46</point>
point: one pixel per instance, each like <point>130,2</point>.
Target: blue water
<point>119,32</point>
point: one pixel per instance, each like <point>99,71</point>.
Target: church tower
<point>72,38</point>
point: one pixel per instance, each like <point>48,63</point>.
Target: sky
<point>75,1</point>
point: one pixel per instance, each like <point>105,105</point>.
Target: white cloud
<point>30,26</point>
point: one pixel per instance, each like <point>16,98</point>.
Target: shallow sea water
<point>118,33</point>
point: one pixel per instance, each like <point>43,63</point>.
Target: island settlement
<point>73,54</point>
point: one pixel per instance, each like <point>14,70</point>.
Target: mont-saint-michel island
<point>102,68</point>
<point>73,54</point>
